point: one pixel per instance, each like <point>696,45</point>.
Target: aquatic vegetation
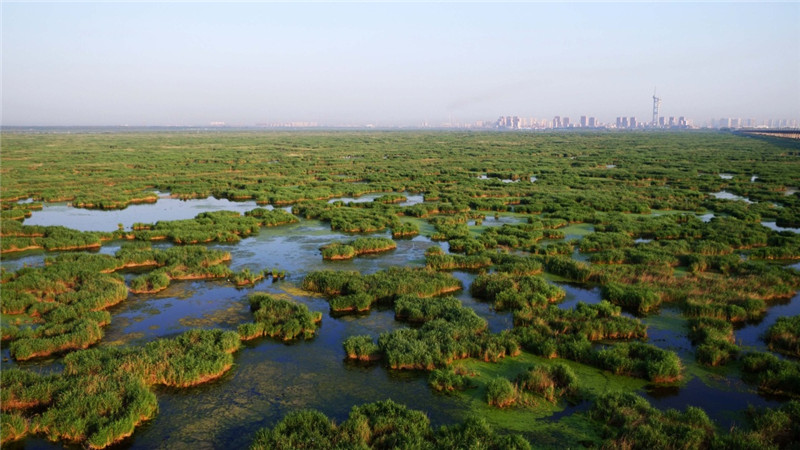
<point>714,340</point>
<point>772,375</point>
<point>338,250</point>
<point>636,298</point>
<point>362,348</point>
<point>450,331</point>
<point>640,360</point>
<point>383,424</point>
<point>349,218</point>
<point>18,237</point>
<point>355,292</point>
<point>449,379</point>
<point>548,382</point>
<point>767,428</point>
<point>518,293</point>
<point>595,242</point>
<point>501,393</point>
<point>154,281</point>
<point>412,308</point>
<point>784,335</point>
<point>552,332</point>
<point>103,394</point>
<point>66,302</point>
<point>279,318</point>
<point>68,295</point>
<point>627,420</point>
<point>638,225</point>
<point>360,246</point>
<point>405,229</point>
<point>436,259</point>
<point>216,226</point>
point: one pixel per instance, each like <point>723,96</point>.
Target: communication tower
<point>656,105</point>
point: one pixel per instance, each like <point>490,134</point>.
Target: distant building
<point>584,123</point>
<point>632,122</point>
<point>592,122</point>
<point>565,122</point>
<point>671,121</point>
<point>557,122</point>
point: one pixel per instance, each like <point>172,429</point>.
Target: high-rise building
<point>584,123</point>
<point>632,122</point>
<point>671,121</point>
<point>592,122</point>
<point>624,122</point>
<point>565,122</point>
<point>557,122</point>
<point>682,122</point>
<point>662,122</point>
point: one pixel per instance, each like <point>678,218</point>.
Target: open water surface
<point>271,378</point>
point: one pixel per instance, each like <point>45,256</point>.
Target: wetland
<point>237,287</point>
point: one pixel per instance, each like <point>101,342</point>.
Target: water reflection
<point>271,378</point>
<point>166,208</point>
<point>750,335</point>
<point>725,195</point>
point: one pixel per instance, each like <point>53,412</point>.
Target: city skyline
<point>399,64</point>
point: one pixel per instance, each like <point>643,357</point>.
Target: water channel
<point>271,378</point>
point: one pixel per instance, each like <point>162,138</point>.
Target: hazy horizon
<point>394,64</point>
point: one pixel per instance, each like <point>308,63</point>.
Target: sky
<point>394,64</point>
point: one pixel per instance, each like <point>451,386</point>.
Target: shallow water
<point>774,226</point>
<point>271,378</point>
<point>749,336</point>
<point>725,195</point>
<point>166,208</point>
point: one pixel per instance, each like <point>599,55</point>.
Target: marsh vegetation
<point>477,277</point>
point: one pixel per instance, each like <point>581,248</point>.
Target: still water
<point>271,378</point>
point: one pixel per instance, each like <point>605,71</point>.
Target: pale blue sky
<point>394,63</point>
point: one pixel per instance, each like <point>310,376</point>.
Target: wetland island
<point>399,289</point>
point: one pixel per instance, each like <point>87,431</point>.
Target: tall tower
<point>656,105</point>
